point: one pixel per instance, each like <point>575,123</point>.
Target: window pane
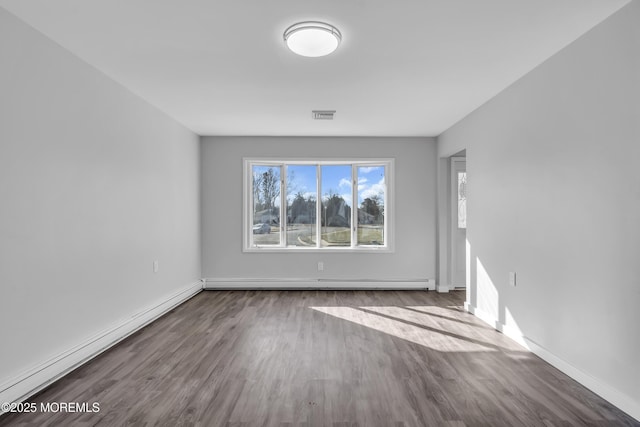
<point>301,205</point>
<point>371,200</point>
<point>336,205</point>
<point>462,200</point>
<point>266,205</point>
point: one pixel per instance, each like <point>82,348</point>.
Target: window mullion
<point>249,198</point>
<point>385,214</point>
<point>283,205</point>
<point>318,206</point>
<point>354,206</point>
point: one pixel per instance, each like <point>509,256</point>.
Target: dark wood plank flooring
<point>321,358</point>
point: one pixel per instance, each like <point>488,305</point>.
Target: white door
<point>458,222</point>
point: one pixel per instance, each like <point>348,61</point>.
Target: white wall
<point>415,224</point>
<point>554,195</point>
<point>95,184</point>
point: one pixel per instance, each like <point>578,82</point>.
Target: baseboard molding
<point>621,400</point>
<point>37,378</point>
<point>486,318</point>
<point>443,289</point>
<point>615,397</point>
<point>315,283</point>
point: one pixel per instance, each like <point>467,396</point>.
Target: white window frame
<point>247,204</point>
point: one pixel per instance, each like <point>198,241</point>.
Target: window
<point>462,200</point>
<point>317,205</point>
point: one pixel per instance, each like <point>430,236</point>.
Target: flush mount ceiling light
<point>312,38</point>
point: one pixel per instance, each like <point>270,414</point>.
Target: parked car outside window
<point>261,228</point>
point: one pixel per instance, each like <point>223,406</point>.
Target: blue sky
<point>335,179</point>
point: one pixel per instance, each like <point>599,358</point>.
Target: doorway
<point>458,221</point>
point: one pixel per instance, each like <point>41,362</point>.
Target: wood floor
<point>321,358</point>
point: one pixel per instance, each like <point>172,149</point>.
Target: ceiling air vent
<point>323,114</point>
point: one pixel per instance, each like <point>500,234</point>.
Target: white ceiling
<point>404,68</point>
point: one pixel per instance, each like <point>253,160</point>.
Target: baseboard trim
<point>443,289</point>
<point>316,283</point>
<point>468,307</point>
<point>486,318</point>
<point>615,397</point>
<point>37,378</point>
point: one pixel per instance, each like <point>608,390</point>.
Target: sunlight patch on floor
<point>401,323</point>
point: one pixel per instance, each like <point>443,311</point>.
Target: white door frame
<point>457,164</point>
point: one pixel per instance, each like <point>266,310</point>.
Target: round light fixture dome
<point>312,38</point>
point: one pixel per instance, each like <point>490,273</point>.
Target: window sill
<point>363,249</point>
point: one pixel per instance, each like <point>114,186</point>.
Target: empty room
<point>345,213</point>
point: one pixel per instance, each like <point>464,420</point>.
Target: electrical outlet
<point>155,266</point>
<point>320,265</point>
<point>512,278</point>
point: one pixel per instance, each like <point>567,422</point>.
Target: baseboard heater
<point>317,283</point>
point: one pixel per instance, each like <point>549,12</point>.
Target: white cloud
<point>344,182</point>
<point>362,183</point>
<point>373,190</point>
<point>368,169</point>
